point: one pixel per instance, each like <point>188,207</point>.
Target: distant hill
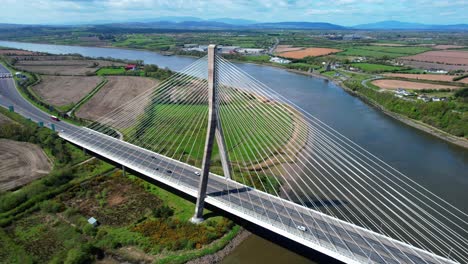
<point>298,25</point>
<point>194,23</point>
<point>241,24</point>
<point>234,21</point>
<point>398,25</point>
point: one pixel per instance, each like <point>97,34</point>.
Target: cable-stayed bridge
<point>217,134</point>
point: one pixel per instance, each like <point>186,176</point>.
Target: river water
<point>437,165</point>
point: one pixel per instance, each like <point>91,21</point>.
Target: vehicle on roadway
<point>197,173</point>
<point>169,171</point>
<point>302,228</point>
<point>54,118</point>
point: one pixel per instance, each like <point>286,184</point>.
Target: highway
<point>341,240</point>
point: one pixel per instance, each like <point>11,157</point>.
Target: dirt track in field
<point>64,90</point>
<point>117,92</point>
<point>21,163</point>
<point>395,84</point>
<point>430,77</point>
<point>313,52</point>
<point>15,52</point>
<point>444,47</point>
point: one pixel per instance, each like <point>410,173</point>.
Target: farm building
<point>280,60</point>
<point>92,221</point>
<point>402,91</point>
<point>130,67</point>
<point>250,51</point>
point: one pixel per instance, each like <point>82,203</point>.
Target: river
<point>437,165</point>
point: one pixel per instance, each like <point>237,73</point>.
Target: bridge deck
<point>331,236</point>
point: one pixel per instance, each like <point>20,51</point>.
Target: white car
<point>197,173</point>
<point>302,228</point>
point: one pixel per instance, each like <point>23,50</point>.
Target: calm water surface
<point>435,164</point>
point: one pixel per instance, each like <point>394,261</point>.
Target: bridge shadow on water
<point>286,243</point>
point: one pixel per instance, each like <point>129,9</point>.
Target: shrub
<point>163,212</point>
<point>51,206</point>
<point>78,255</point>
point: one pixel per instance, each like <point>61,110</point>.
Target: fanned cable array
<point>291,169</point>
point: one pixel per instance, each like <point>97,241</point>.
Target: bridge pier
<point>214,131</point>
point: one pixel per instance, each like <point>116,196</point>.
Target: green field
<point>179,130</point>
<point>111,71</point>
<point>376,68</point>
<point>382,52</point>
<point>145,41</point>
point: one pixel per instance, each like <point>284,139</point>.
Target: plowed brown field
<point>118,91</point>
<point>443,57</point>
<point>64,90</point>
<point>430,77</point>
<point>395,84</point>
<point>21,163</point>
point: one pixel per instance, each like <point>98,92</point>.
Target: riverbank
<point>221,254</point>
<point>461,142</point>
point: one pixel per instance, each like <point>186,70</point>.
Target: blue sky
<point>344,12</point>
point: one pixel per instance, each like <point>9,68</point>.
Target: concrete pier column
<point>214,130</point>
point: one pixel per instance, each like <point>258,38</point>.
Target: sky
<point>342,12</point>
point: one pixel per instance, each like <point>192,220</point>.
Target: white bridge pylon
<point>277,166</point>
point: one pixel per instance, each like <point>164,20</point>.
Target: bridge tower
<point>214,131</point>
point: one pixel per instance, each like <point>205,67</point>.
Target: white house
<point>279,60</point>
<point>424,98</point>
<point>250,51</point>
<point>402,92</point>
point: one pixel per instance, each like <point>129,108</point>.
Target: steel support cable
<point>244,161</point>
<point>309,198</point>
<point>134,151</point>
<point>293,189</point>
<point>133,141</point>
<point>136,104</point>
<point>439,213</point>
<point>344,138</point>
<point>185,75</point>
<point>306,195</point>
<point>163,134</point>
<point>294,207</point>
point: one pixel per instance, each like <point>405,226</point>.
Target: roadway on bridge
<point>323,232</point>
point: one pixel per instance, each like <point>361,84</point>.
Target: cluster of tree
<point>462,94</point>
<point>461,77</point>
<point>151,70</point>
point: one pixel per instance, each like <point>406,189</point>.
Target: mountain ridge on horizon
<point>233,23</point>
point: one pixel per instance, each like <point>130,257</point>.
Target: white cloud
<point>346,12</point>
